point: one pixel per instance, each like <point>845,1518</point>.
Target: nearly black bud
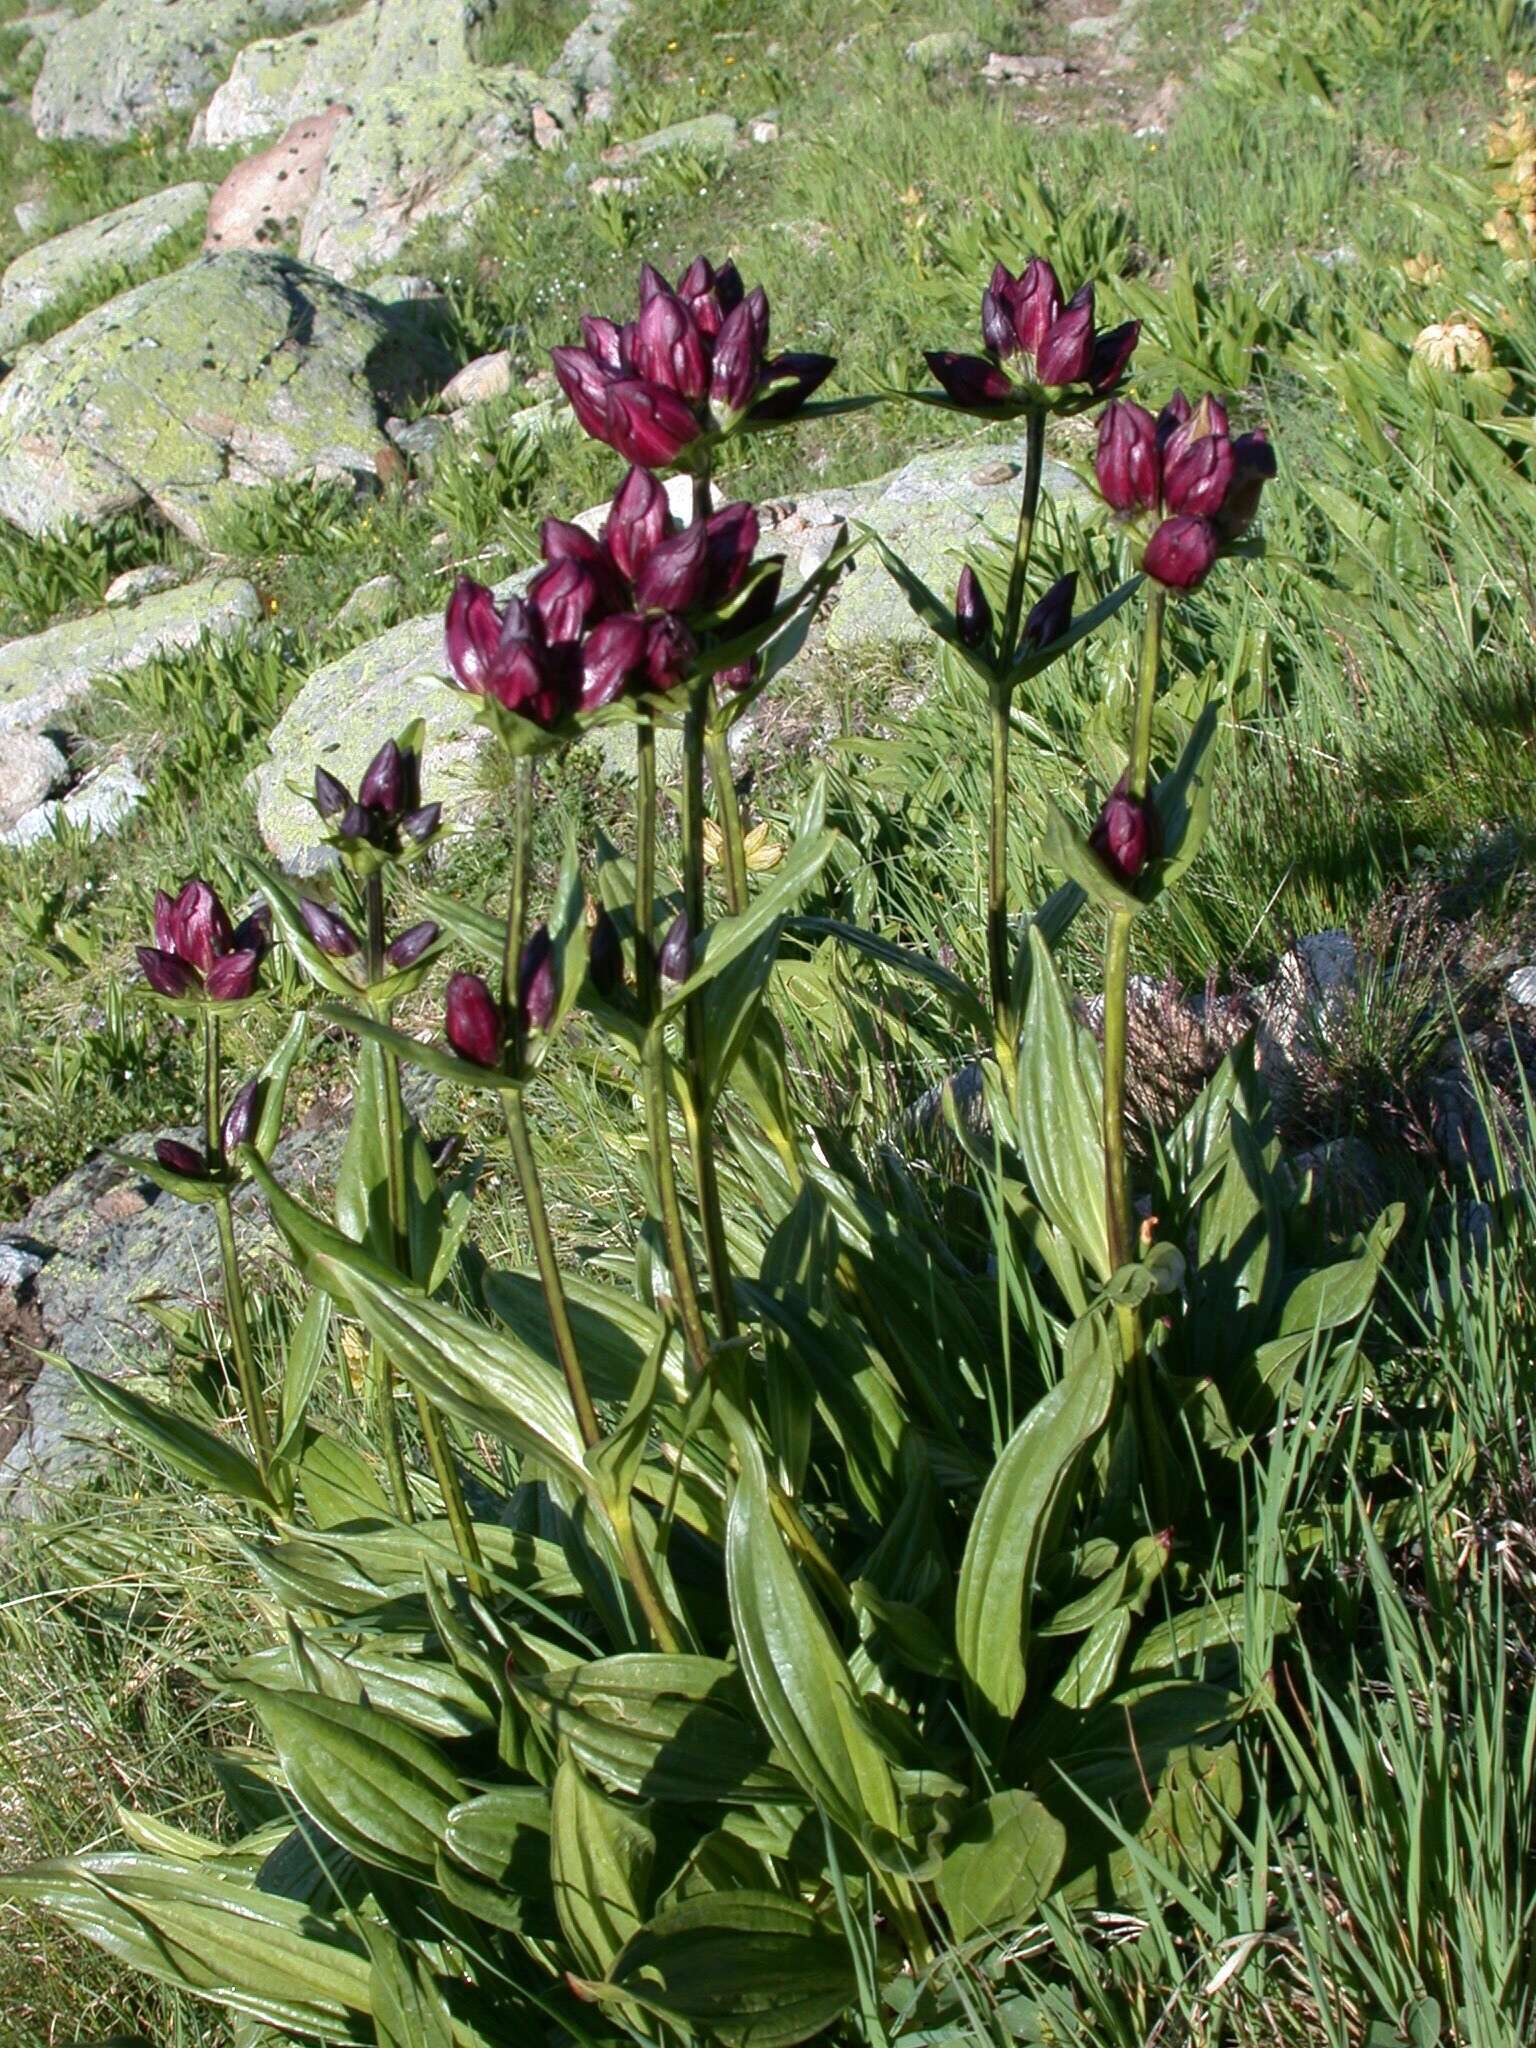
<point>178,1158</point>
<point>536,982</point>
<point>383,785</point>
<point>408,948</point>
<point>1050,618</point>
<point>332,934</point>
<point>331,797</point>
<point>605,956</point>
<point>973,615</point>
<point>676,957</point>
<point>240,1118</point>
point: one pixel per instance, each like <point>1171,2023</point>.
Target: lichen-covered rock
<point>418,152</point>
<point>128,64</point>
<point>116,241</point>
<point>32,767</point>
<point>705,135</point>
<point>588,60</point>
<point>263,201</point>
<point>43,673</point>
<point>238,371</point>
<point>98,806</point>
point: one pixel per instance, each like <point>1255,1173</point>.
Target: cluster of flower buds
<point>334,937</point>
<point>1039,351</point>
<point>1187,476</point>
<point>474,1024</point>
<point>198,953</point>
<point>1127,835</point>
<point>1043,626</point>
<point>609,612</point>
<point>238,1126</point>
<point>387,816</point>
<point>690,368</point>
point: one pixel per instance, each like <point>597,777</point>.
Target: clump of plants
<point>750,1643</point>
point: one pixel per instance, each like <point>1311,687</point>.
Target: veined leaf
<point>1003,1858</point>
<point>601,1858</point>
<point>728,939</point>
<point>197,1453</point>
<point>1061,1112</point>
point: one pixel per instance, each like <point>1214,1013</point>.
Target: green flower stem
<point>718,745</point>
<point>1140,776</point>
<point>247,1376</point>
<point>517,905</point>
<point>999,957</point>
<point>645,867</point>
<point>379,1382</point>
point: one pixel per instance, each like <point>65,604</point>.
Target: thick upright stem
<point>1117,1194</point>
<point>517,905</point>
<point>383,1415</point>
<point>1139,777</point>
<point>718,747</point>
<point>247,1375</point>
<point>695,1039</point>
<point>645,867</point>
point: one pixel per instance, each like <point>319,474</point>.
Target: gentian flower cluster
<point>609,612</point>
<point>334,937</point>
<point>198,953</point>
<point>690,369</point>
<point>1187,476</point>
<point>387,814</point>
<point>1040,353</point>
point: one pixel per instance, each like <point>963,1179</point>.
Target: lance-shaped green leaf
<point>616,1461</point>
<point>602,1855</point>
<point>731,937</point>
<point>1018,1516</point>
<point>927,605</point>
<point>302,1363</point>
<point>409,2009</point>
<point>209,1460</point>
<point>362,1178</point>
<point>752,1969</point>
<point>1061,1112</point>
<point>427,1054</point>
<point>1002,1860</point>
<point>1183,801</point>
<point>961,997</point>
<point>272,1084</point>
<point>380,1789</point>
<point>503,1836</point>
<point>798,1677</point>
<point>1031,664</point>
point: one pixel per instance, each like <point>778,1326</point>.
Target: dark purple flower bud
<point>1181,552</point>
<point>669,651</point>
<point>355,823</point>
<point>202,926</point>
<point>167,975</point>
<point>973,615</point>
<point>651,283</point>
<point>605,956</point>
<point>473,1020</point>
<point>672,577</point>
<point>612,653</point>
<point>738,366</point>
<point>1051,617</point>
<point>1111,353</point>
<point>536,978</point>
<point>1253,466</point>
<point>730,682</point>
<point>1066,353</point>
<point>604,342</point>
<point>676,957</point>
<point>1128,834</point>
<point>647,423</point>
<point>407,949</point>
<point>997,328</point>
<point>253,934</point>
<point>178,1158</point>
<point>331,796</point>
<point>698,280</point>
<point>231,979</point>
<point>586,383</point>
<point>1126,464</point>
<point>472,631</point>
<point>1197,465</point>
<point>788,382</point>
<point>444,1151</point>
<point>565,597</point>
<point>240,1118</point>
<point>728,290</point>
<point>560,541</point>
<point>1172,417</point>
<point>419,825</point>
<point>1036,301</point>
<point>669,350</point>
<point>637,520</point>
<point>968,380</point>
<point>730,536</point>
<point>383,782</point>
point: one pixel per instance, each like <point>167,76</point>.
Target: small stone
<point>947,49</point>
<point>487,377</point>
<point>18,1265</point>
<point>706,134</point>
<point>403,288</point>
<point>598,107</point>
<point>32,768</point>
<point>102,802</point>
<point>763,130</point>
<point>119,1205</point>
<point>31,215</point>
<point>624,188</point>
<point>136,583</point>
<point>994,473</point>
<point>419,440</point>
<point>1002,69</point>
<point>547,132</point>
<point>1521,987</point>
<point>370,605</point>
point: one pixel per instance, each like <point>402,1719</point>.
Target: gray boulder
<point>129,64</point>
<point>115,242</point>
<point>44,673</point>
<point>99,806</point>
<point>263,201</point>
<point>238,371</point>
<point>32,767</point>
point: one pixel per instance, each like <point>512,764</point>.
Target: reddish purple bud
<point>419,825</point>
<point>730,682</point>
<point>1196,472</point>
<point>651,283</point>
<point>586,382</point>
<point>604,342</point>
<point>1172,417</point>
<point>973,615</point>
<point>1036,304</point>
<point>676,957</point>
<point>167,975</point>
<point>331,796</point>
<point>565,597</point>
<point>165,921</point>
<point>560,541</point>
<point>201,925</point>
<point>672,577</point>
<point>968,380</point>
<point>240,1118</point>
<point>1128,834</point>
<point>536,978</point>
<point>669,651</point>
<point>1051,617</point>
<point>1181,552</point>
<point>472,631</point>
<point>332,934</point>
<point>1066,353</point>
<point>1253,467</point>
<point>997,328</point>
<point>407,949</point>
<point>1126,464</point>
<point>669,350</point>
<point>697,280</point>
<point>612,653</point>
<point>605,957</point>
<point>730,536</point>
<point>178,1158</point>
<point>647,423</point>
<point>383,783</point>
<point>638,520</point>
<point>1111,353</point>
<point>789,381</point>
<point>232,979</point>
<point>253,934</point>
<point>738,366</point>
<point>472,1020</point>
